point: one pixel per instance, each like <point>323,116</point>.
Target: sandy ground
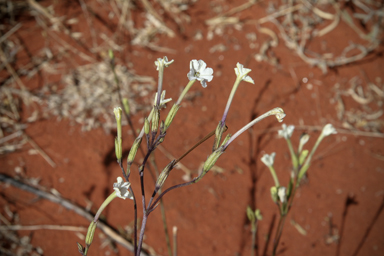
<point>339,205</point>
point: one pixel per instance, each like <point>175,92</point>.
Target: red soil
<point>345,179</point>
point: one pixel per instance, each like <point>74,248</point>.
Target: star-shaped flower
<point>328,130</point>
<point>121,189</point>
<point>287,131</point>
<point>199,71</point>
<point>242,72</point>
<point>268,160</point>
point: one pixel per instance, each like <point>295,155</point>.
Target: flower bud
<point>212,159</point>
<point>171,115</point>
<point>146,126</point>
<point>282,194</point>
<point>164,174</point>
<point>126,106</point>
<point>226,139</point>
<point>133,151</point>
<point>303,140</point>
<point>258,214</point>
<point>274,194</point>
<point>303,155</point>
<point>155,119</point>
<point>218,134</point>
<point>250,214</point>
<point>90,233</point>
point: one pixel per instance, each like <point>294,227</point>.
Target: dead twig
<point>39,227</point>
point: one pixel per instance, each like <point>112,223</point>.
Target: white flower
<point>328,130</point>
<point>162,100</point>
<point>121,189</point>
<point>242,73</point>
<point>268,160</point>
<point>282,193</point>
<point>163,62</point>
<point>199,71</point>
<point>287,131</point>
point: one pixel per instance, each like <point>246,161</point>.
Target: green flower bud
<point>171,115</point>
<point>226,139</point>
<point>250,214</point>
<point>133,151</point>
<point>303,156</point>
<point>274,194</point>
<point>164,174</point>
<point>212,159</point>
<point>258,214</point>
<point>155,119</point>
<point>110,54</point>
<point>90,233</point>
<point>146,126</point>
<point>218,134</point>
<point>126,106</point>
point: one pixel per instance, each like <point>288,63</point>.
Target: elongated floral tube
<point>278,112</point>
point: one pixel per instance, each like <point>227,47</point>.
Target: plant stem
<point>143,224</point>
<point>254,231</point>
<point>162,209</point>
<point>278,233</point>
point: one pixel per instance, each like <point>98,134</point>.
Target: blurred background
<point>321,61</point>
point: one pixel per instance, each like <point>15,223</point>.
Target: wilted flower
<point>242,72</point>
<point>121,188</point>
<point>268,160</point>
<point>328,130</point>
<point>199,71</point>
<point>163,62</point>
<point>287,131</point>
<point>162,100</point>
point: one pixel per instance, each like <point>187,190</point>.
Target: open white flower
<point>268,160</point>
<point>121,189</point>
<point>199,71</point>
<point>282,193</point>
<point>242,73</point>
<point>328,130</point>
<point>163,62</point>
<point>162,100</point>
<point>287,131</point>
